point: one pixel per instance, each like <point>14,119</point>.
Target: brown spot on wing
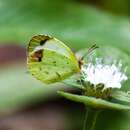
<point>37,56</point>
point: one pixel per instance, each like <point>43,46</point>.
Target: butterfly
<point>50,60</point>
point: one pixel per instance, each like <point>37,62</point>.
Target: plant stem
<point>90,119</point>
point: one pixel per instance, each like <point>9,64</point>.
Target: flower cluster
<point>110,75</point>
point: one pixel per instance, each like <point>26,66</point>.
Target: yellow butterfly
<point>50,60</point>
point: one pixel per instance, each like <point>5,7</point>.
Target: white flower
<point>111,75</point>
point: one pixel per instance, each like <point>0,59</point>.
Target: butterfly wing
<point>50,60</point>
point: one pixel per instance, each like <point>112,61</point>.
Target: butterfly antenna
<point>90,50</point>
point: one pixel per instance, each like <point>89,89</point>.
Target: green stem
<point>90,119</point>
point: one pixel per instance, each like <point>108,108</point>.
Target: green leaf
<point>73,81</point>
<point>93,102</point>
<point>121,96</point>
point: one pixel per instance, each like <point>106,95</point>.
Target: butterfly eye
<point>81,62</point>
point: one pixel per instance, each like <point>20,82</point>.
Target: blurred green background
<point>78,23</point>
